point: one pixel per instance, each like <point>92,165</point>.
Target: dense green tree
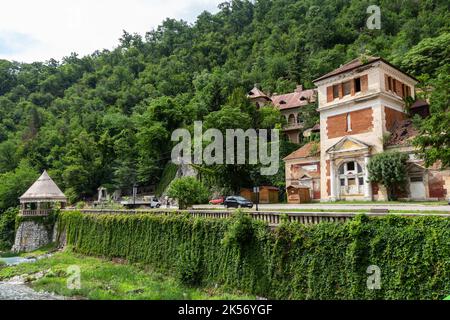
<point>106,118</point>
<point>7,228</point>
<point>389,169</point>
<point>14,183</point>
<point>433,140</point>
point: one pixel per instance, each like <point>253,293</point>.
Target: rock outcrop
<point>30,236</point>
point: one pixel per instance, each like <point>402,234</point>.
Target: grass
<point>41,251</point>
<point>105,280</point>
<point>7,254</point>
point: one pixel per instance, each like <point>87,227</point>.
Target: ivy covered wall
<point>323,261</point>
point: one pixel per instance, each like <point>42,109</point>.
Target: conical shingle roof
<point>44,189</point>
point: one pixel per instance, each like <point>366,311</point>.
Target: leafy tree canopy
<point>106,118</point>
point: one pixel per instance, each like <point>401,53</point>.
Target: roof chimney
<point>299,88</point>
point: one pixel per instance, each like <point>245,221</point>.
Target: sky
<point>39,30</point>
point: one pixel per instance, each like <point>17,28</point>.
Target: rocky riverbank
<point>17,289</point>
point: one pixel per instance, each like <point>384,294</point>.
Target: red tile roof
<point>355,63</point>
<point>294,99</point>
<point>305,151</point>
<point>256,93</point>
<point>402,134</point>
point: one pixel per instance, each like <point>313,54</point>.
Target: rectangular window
<point>416,179</point>
<point>361,181</point>
<point>350,166</point>
<point>335,91</point>
<point>342,182</point>
<point>349,122</point>
<point>358,85</point>
<point>389,83</point>
<point>408,91</point>
<point>351,182</point>
<point>347,88</point>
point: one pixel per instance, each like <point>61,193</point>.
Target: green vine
<point>323,261</point>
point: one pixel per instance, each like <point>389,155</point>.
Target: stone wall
<point>30,236</point>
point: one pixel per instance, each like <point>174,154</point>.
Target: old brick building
<point>289,104</point>
<point>362,112</point>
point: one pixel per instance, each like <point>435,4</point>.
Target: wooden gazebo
<point>42,197</point>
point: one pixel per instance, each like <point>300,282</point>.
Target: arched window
<point>351,178</point>
<point>291,119</point>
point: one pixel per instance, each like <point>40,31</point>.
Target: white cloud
<point>39,30</point>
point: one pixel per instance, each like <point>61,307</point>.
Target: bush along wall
<point>323,261</point>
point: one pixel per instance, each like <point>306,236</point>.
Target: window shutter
<point>329,93</point>
<point>352,87</point>
<point>341,91</point>
<point>398,88</point>
<point>386,82</point>
<point>364,83</point>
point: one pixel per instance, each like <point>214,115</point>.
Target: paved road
<point>306,206</point>
<point>15,290</point>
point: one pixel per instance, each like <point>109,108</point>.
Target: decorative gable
<point>347,144</point>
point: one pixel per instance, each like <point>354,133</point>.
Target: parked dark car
<point>237,202</point>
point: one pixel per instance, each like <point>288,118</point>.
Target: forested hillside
<point>106,119</point>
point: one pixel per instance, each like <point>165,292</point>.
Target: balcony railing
<point>293,126</point>
<point>34,213</point>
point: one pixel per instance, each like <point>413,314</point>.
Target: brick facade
<point>392,117</point>
<point>361,121</point>
<point>436,186</point>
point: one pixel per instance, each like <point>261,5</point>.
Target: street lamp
<point>134,194</point>
<point>256,190</point>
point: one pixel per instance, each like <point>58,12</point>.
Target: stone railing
<point>292,126</point>
<point>34,213</point>
<point>272,218</point>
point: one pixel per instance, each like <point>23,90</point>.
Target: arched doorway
<point>351,178</point>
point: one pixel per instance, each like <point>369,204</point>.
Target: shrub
<point>7,228</point>
<point>240,229</point>
<point>189,267</point>
<point>188,191</point>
